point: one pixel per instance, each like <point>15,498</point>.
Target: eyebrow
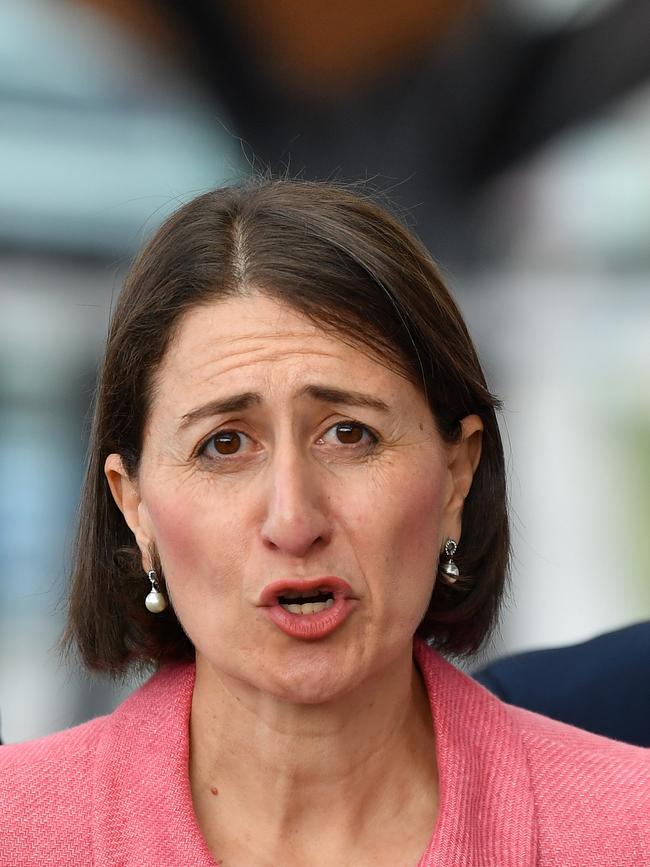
<point>247,399</point>
<point>235,403</point>
<point>325,394</point>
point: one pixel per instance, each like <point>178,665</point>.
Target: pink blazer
<point>516,789</point>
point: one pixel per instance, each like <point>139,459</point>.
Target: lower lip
<point>310,627</point>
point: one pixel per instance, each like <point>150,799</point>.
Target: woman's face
<point>280,461</point>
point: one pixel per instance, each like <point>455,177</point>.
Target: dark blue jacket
<point>602,685</point>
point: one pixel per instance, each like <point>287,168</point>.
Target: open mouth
<point>308,609</point>
<point>310,602</point>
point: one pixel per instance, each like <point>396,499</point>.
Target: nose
<point>296,517</point>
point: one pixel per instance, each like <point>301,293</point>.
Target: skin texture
<point>276,721</point>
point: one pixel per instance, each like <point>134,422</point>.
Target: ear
<point>464,457</point>
<point>127,497</point>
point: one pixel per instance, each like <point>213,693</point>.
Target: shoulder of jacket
<point>591,792</point>
<point>70,746</point>
<point>46,789</point>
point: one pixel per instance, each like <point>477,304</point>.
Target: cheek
<point>177,529</point>
<point>192,538</point>
<point>400,536</point>
<point>414,517</point>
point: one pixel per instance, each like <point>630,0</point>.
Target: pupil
<point>227,443</point>
<point>349,433</point>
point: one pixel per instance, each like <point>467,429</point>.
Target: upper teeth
<point>306,607</point>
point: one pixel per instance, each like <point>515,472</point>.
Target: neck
<point>277,763</point>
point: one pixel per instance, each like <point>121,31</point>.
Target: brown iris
<point>227,442</point>
<point>349,433</point>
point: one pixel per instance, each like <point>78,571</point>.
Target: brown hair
<point>350,268</point>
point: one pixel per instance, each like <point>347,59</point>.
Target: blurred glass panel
<point>100,140</point>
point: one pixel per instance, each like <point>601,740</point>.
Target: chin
<point>305,693</point>
<point>314,677</point>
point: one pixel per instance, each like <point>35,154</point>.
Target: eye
<point>225,442</point>
<point>349,433</point>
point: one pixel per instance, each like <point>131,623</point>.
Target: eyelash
<point>367,448</point>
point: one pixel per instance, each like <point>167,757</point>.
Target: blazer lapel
<point>142,811</point>
<point>486,816</point>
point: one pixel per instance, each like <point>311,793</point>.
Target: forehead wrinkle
<point>213,338</point>
<point>273,334</point>
<point>210,368</point>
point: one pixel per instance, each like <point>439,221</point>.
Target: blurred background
<point>513,136</point>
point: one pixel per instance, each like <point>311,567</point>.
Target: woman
<point>295,452</point>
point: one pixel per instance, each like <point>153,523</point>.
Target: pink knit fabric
<point>516,789</point>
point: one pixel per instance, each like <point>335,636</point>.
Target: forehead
<point>264,342</point>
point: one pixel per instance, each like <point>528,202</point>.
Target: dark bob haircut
<point>354,271</point>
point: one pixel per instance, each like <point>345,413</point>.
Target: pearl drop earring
<point>155,600</point>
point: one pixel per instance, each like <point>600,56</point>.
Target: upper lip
<point>330,583</point>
